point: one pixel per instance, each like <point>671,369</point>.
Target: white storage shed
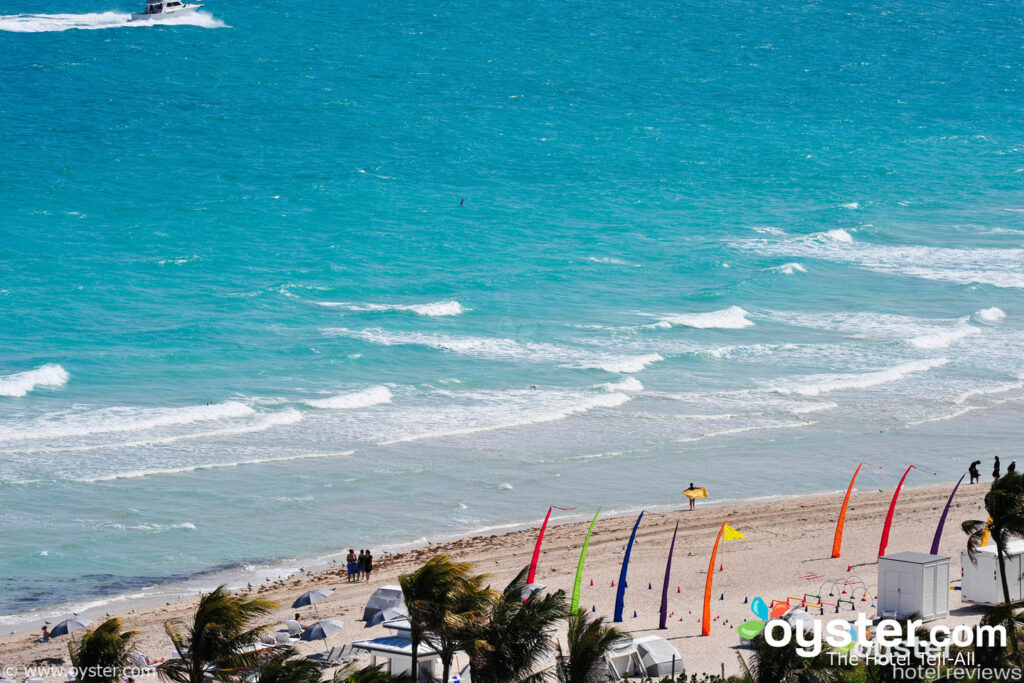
<point>913,583</point>
<point>982,584</point>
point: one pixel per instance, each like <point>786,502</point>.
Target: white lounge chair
<point>283,638</point>
<point>294,628</point>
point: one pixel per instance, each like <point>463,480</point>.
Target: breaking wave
<point>356,399</point>
<point>990,315</point>
<point>435,309</point>
<point>993,266</point>
<point>815,385</point>
<point>504,349</point>
<point>120,419</point>
<point>732,318</point>
<point>20,383</point>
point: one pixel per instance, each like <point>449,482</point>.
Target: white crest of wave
<point>787,269</point>
<point>121,419</point>
<point>815,385</point>
<point>1000,267</point>
<point>850,205</point>
<point>356,399</point>
<point>627,384</point>
<point>522,414</point>
<point>838,235</point>
<point>990,315</point>
<point>435,309</point>
<point>20,383</point>
<point>943,338</point>
<point>493,348</point>
<point>46,23</point>
<point>732,318</point>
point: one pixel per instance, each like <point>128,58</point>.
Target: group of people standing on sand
<point>358,567</point>
<point>975,475</point>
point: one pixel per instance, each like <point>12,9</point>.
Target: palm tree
<point>1007,615</point>
<point>454,618</point>
<point>588,641</point>
<point>213,643</point>
<point>783,664</point>
<point>1005,506</point>
<point>424,589</point>
<point>512,641</point>
<point>102,654</point>
<point>291,671</point>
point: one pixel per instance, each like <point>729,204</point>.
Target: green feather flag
<point>575,604</point>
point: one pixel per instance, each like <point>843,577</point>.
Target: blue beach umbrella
<point>310,598</point>
<point>69,626</point>
<point>322,630</point>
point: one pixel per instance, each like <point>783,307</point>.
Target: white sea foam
<point>521,417</point>
<point>611,260</point>
<point>261,423</point>
<point>838,235</point>
<point>435,309</point>
<point>732,318</point>
<point>990,315</point>
<point>136,474</point>
<point>943,338</point>
<point>627,384</point>
<point>45,23</point>
<point>997,267</point>
<point>504,349</point>
<point>787,269</point>
<point>355,399</point>
<point>850,205</point>
<point>815,385</point>
<point>20,383</point>
<point>120,419</point>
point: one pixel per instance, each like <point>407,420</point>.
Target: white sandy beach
<point>786,553</point>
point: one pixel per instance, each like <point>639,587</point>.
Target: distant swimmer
<point>973,471</point>
<point>693,493</point>
<point>462,201</point>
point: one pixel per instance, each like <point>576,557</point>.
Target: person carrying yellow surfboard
<point>693,493</point>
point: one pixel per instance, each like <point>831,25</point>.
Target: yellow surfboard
<point>696,493</point>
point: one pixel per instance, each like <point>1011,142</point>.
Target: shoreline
<point>237,577</point>
<point>805,522</point>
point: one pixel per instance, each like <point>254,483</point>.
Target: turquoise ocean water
<point>286,278</point>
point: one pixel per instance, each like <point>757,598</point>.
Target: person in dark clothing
<point>973,471</point>
<point>1012,468</point>
<point>367,564</point>
<point>995,470</point>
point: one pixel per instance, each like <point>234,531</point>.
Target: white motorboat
<point>159,9</point>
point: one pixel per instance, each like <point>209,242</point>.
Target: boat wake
<point>45,23</point>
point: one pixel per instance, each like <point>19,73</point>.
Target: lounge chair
<point>339,654</point>
<point>294,628</point>
<point>283,638</point>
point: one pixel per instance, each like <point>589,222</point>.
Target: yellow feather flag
<point>729,534</point>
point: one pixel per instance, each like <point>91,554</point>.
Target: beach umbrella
<point>69,626</point>
<point>322,630</point>
<point>387,614</point>
<point>311,598</point>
